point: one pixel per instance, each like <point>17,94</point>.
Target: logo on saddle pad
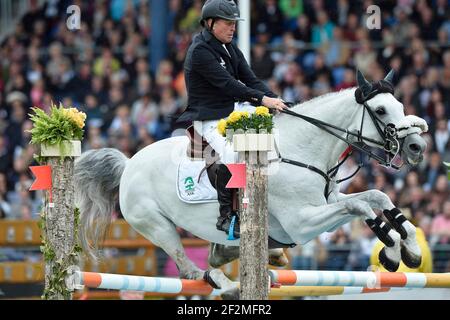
<point>189,186</point>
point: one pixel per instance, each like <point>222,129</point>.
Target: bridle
<point>356,140</point>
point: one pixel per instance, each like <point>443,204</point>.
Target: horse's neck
<point>302,141</point>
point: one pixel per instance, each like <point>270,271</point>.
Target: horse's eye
<point>381,111</point>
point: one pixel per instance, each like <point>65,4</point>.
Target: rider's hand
<point>274,103</point>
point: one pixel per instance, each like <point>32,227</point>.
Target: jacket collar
<point>216,44</point>
<point>207,35</point>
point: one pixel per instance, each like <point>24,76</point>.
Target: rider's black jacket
<point>215,79</point>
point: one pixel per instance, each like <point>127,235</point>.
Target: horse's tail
<point>96,178</point>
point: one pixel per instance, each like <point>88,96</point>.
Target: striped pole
<point>139,283</point>
<point>174,287</point>
<point>360,279</point>
<point>312,291</point>
<point>283,291</point>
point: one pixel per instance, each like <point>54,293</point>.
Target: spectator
<point>365,57</point>
<point>403,26</point>
<point>271,20</point>
<point>291,9</point>
<point>441,136</point>
<point>192,18</point>
<point>144,111</point>
<point>161,128</point>
<point>322,32</point>
<point>302,31</point>
<point>363,240</point>
<point>5,207</point>
<point>262,63</point>
<point>337,50</point>
<point>440,228</point>
<point>106,64</point>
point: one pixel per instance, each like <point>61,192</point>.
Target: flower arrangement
<point>59,133</point>
<point>59,126</point>
<point>260,121</point>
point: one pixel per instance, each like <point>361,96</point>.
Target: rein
<point>356,145</point>
<point>390,143</point>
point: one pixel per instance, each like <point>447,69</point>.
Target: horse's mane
<point>322,98</point>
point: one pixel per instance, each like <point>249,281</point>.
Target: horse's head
<point>384,124</point>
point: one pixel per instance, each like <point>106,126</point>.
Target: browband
<point>381,86</point>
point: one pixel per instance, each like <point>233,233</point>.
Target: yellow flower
<point>234,116</point>
<point>263,111</point>
<point>222,126</point>
<point>76,116</point>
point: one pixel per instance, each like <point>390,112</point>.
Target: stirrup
<point>231,229</point>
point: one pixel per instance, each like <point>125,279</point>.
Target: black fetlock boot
<point>225,197</point>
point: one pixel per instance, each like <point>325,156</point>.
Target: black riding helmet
<point>223,9</point>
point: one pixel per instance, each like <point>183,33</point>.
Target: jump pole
<point>360,279</point>
<point>174,286</point>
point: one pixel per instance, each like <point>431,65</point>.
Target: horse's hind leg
<point>220,255</point>
<point>163,234</point>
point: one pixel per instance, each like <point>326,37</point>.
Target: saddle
<point>199,149</point>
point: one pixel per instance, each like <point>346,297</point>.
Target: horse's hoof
<point>207,277</point>
<point>278,261</point>
<point>231,294</point>
<point>387,263</point>
<point>410,260</point>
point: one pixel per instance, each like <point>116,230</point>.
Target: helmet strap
<point>210,28</point>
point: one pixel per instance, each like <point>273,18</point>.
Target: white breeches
<point>208,130</point>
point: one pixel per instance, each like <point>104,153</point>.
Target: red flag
<point>43,177</point>
<point>238,175</point>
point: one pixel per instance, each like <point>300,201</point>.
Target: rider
<point>217,75</point>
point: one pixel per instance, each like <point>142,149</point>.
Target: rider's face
<point>224,30</point>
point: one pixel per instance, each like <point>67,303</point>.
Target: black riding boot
<point>225,197</point>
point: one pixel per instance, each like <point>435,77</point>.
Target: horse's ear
<point>363,84</point>
<point>390,76</point>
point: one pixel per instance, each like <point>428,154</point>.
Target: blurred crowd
<point>301,48</point>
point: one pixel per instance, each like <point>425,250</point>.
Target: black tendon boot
<point>225,197</point>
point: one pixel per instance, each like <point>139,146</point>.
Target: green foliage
<point>261,121</point>
<point>254,121</point>
<point>54,128</point>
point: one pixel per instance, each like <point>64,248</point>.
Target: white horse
<point>299,210</point>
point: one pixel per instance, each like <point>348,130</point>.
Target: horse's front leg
<point>410,250</point>
<point>314,220</point>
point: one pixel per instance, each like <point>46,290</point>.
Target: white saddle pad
<point>189,189</point>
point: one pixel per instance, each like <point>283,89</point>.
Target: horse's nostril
<point>414,147</point>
